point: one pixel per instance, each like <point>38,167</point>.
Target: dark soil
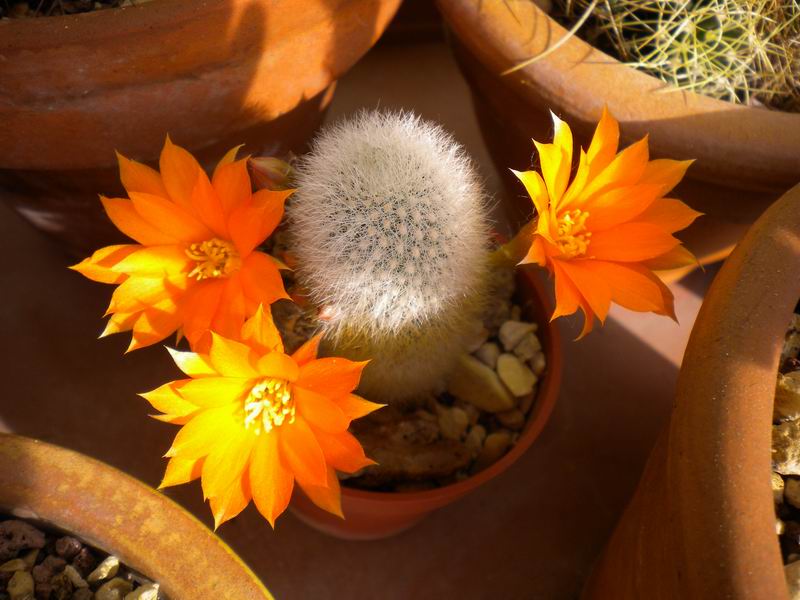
<point>25,9</point>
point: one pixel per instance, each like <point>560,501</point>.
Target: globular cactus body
<point>737,50</point>
<point>389,229</point>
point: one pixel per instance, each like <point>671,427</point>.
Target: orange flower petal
<point>588,320</point>
<point>534,185</point>
<point>627,168</point>
<point>261,281</point>
<point>98,267</point>
<point>226,463</point>
<point>200,304</point>
<point>669,215</point>
<point>251,223</point>
<point>208,206</point>
<point>179,172</point>
<point>154,261</point>
<point>174,419</point>
<point>181,470</point>
<point>301,451</point>
<point>556,166</point>
<point>271,482</point>
<point>210,392</point>
<point>594,290</point>
<point>166,399</point>
<point>665,172</point>
<point>232,309</point>
<point>568,298</point>
<point>229,157</point>
<point>556,159</point>
<point>676,258</point>
<point>355,407</point>
<point>260,333</point>
<point>233,500</point>
<point>232,184</point>
<point>327,497</point>
<point>319,411</point>
<point>308,351</point>
<point>632,286</point>
<point>137,177</point>
<point>194,365</point>
<point>128,221</point>
<point>333,377</point>
<point>537,253</point>
<point>279,366</point>
<point>562,139</point>
<point>282,266</point>
<point>203,432</point>
<point>231,358</point>
<point>120,322</point>
<point>619,205</point>
<point>168,216</point>
<point>604,144</point>
<point>140,293</point>
<point>154,324</point>
<point>573,194</point>
<point>630,242</point>
<point>342,451</point>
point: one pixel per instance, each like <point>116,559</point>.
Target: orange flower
<point>602,234</point>
<point>256,420</point>
<point>194,266</point>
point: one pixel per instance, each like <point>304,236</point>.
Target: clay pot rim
<point>729,391</point>
<point>99,24</point>
<point>547,394</point>
<point>13,444</point>
<point>36,31</point>
<point>772,136</point>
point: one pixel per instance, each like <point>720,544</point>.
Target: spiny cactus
<point>389,228</point>
<point>737,50</point>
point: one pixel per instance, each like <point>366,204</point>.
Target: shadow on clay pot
<point>213,77</point>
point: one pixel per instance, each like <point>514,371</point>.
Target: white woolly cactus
<point>389,226</point>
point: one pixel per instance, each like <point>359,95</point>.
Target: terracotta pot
<point>122,516</point>
<point>212,74</point>
<point>702,522</point>
<point>746,157</point>
<point>374,515</point>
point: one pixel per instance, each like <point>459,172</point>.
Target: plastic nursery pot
<point>702,521</point>
<point>122,516</point>
<point>746,156</point>
<point>211,74</point>
<point>374,515</point>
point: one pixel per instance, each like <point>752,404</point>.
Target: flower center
<point>214,258</point>
<point>573,239</point>
<point>268,405</point>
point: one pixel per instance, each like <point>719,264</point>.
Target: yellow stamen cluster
<point>214,258</point>
<point>573,238</point>
<point>268,405</point>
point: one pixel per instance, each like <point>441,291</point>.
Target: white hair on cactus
<point>390,231</point>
